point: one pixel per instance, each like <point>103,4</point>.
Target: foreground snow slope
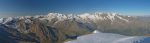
<point>109,38</point>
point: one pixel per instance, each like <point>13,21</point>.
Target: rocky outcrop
<point>44,32</point>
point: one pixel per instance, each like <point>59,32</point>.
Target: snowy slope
<point>108,38</point>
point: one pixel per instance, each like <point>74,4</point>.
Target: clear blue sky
<point>38,7</point>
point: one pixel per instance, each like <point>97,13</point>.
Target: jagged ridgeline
<point>57,28</point>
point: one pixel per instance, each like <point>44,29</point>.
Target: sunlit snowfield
<point>99,37</point>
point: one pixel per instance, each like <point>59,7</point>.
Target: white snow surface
<point>123,19</point>
<point>8,20</point>
<point>106,38</point>
<point>96,31</point>
<point>111,16</point>
<point>1,20</point>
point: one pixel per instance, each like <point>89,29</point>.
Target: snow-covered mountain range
<point>84,17</point>
<point>57,28</point>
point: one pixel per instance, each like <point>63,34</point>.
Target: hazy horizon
<point>11,8</point>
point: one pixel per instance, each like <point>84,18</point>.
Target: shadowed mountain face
<point>57,28</point>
